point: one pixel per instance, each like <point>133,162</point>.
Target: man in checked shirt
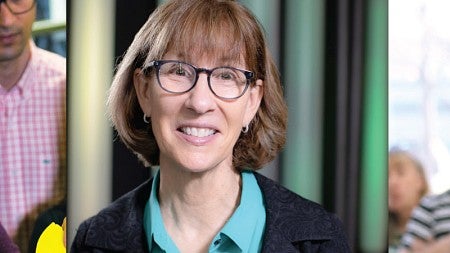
<point>32,123</point>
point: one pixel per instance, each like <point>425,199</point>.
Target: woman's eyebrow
<point>217,62</point>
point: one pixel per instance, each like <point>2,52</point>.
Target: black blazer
<point>293,224</point>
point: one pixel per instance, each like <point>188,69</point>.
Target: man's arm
<point>441,245</point>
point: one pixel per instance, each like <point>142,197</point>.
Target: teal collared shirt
<point>242,233</point>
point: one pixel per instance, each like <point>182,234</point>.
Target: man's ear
<point>256,94</point>
<point>142,86</point>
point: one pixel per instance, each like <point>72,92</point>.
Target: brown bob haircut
<point>214,28</point>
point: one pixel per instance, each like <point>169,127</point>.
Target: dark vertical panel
<point>343,96</point>
<point>330,107</point>
<point>128,172</point>
<point>355,120</point>
<point>342,81</point>
<point>335,109</point>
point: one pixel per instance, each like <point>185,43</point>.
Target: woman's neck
<point>197,204</point>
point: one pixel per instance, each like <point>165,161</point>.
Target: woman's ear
<point>141,85</point>
<point>256,93</point>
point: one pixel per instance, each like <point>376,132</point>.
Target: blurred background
<point>419,85</point>
<point>49,30</point>
<point>332,55</point>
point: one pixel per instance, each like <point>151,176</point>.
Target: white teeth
<point>198,132</point>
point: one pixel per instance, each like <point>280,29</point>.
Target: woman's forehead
<point>220,39</point>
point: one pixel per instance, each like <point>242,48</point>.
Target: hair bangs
<point>208,32</point>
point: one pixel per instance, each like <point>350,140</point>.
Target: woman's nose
<point>200,98</point>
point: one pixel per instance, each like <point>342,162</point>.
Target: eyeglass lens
<point>225,82</point>
<point>19,6</point>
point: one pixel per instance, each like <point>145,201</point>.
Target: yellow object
<point>51,240</point>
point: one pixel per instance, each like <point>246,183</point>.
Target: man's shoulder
<point>436,201</point>
<point>49,62</point>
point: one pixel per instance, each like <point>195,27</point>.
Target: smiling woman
<point>210,101</point>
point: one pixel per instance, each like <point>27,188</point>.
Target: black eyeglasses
<point>180,77</point>
<point>19,6</point>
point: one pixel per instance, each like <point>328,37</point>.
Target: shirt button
<point>216,242</point>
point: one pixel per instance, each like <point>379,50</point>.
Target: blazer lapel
<point>291,219</point>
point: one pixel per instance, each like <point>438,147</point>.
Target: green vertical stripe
<point>373,223</point>
<point>267,12</point>
<point>303,80</point>
<point>262,9</point>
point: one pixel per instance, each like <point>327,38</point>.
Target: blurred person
<point>54,215</point>
<point>407,184</point>
<point>52,239</point>
<point>32,122</point>
<point>6,244</point>
<point>428,229</point>
<point>198,94</point>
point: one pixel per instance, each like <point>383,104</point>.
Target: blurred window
<point>49,30</point>
<point>419,84</point>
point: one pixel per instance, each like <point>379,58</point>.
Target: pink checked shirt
<point>32,142</point>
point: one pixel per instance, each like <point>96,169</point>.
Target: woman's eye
<point>180,71</point>
<point>226,75</point>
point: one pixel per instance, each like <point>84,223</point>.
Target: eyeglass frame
<point>18,13</point>
<point>158,63</point>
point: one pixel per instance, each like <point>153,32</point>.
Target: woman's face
<point>196,131</point>
<point>406,185</point>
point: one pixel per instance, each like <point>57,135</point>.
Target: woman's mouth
<point>198,132</point>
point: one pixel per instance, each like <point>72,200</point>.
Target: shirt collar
<point>27,76</point>
<point>153,222</point>
<point>251,199</point>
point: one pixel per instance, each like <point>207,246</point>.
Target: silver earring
<point>146,119</point>
<point>245,129</point>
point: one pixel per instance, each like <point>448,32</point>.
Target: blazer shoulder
<point>299,221</point>
<point>118,225</point>
<point>279,197</point>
